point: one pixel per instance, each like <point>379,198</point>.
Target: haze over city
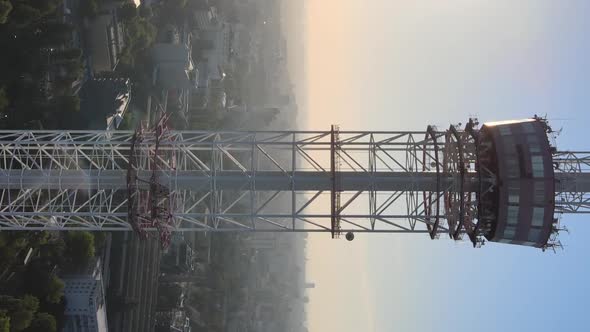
<point>172,165</point>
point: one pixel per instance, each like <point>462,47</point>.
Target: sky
<point>391,65</point>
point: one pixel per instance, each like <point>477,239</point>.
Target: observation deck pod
<point>519,208</point>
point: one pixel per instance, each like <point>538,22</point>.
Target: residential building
<point>85,309</point>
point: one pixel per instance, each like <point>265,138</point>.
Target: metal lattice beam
<point>237,181</point>
<point>572,173</point>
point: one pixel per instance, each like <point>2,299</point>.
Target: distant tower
<point>501,182</point>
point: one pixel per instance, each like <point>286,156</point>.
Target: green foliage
<point>141,34</point>
<point>29,302</point>
<point>10,244</point>
<point>19,243</point>
<point>40,280</point>
<point>43,322</point>
<point>23,14</point>
<point>20,311</point>
<point>45,7</point>
<point>54,290</point>
<point>37,239</point>
<point>53,249</point>
<point>5,9</point>
<point>4,321</point>
<point>127,11</point>
<point>79,247</point>
<point>20,320</point>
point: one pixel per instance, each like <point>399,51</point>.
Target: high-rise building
<point>85,309</point>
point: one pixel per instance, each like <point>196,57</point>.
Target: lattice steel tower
<point>502,181</point>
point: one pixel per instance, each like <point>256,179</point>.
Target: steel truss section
<point>335,194</point>
<point>572,172</point>
<point>234,181</point>
<point>149,202</point>
<point>459,162</point>
<point>470,212</point>
<point>431,161</point>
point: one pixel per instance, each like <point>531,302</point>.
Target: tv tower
<point>501,182</point>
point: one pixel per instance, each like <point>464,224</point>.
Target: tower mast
<point>502,182</point>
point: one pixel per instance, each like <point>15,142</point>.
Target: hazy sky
<point>392,64</point>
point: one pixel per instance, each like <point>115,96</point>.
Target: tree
<point>127,11</point>
<point>4,321</point>
<point>80,247</point>
<point>44,6</point>
<point>54,249</point>
<point>43,322</point>
<point>37,239</point>
<point>20,311</point>
<point>54,290</point>
<point>141,34</point>
<point>20,320</point>
<point>5,9</point>
<point>24,15</point>
<point>29,302</point>
<point>19,242</point>
<point>36,276</point>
